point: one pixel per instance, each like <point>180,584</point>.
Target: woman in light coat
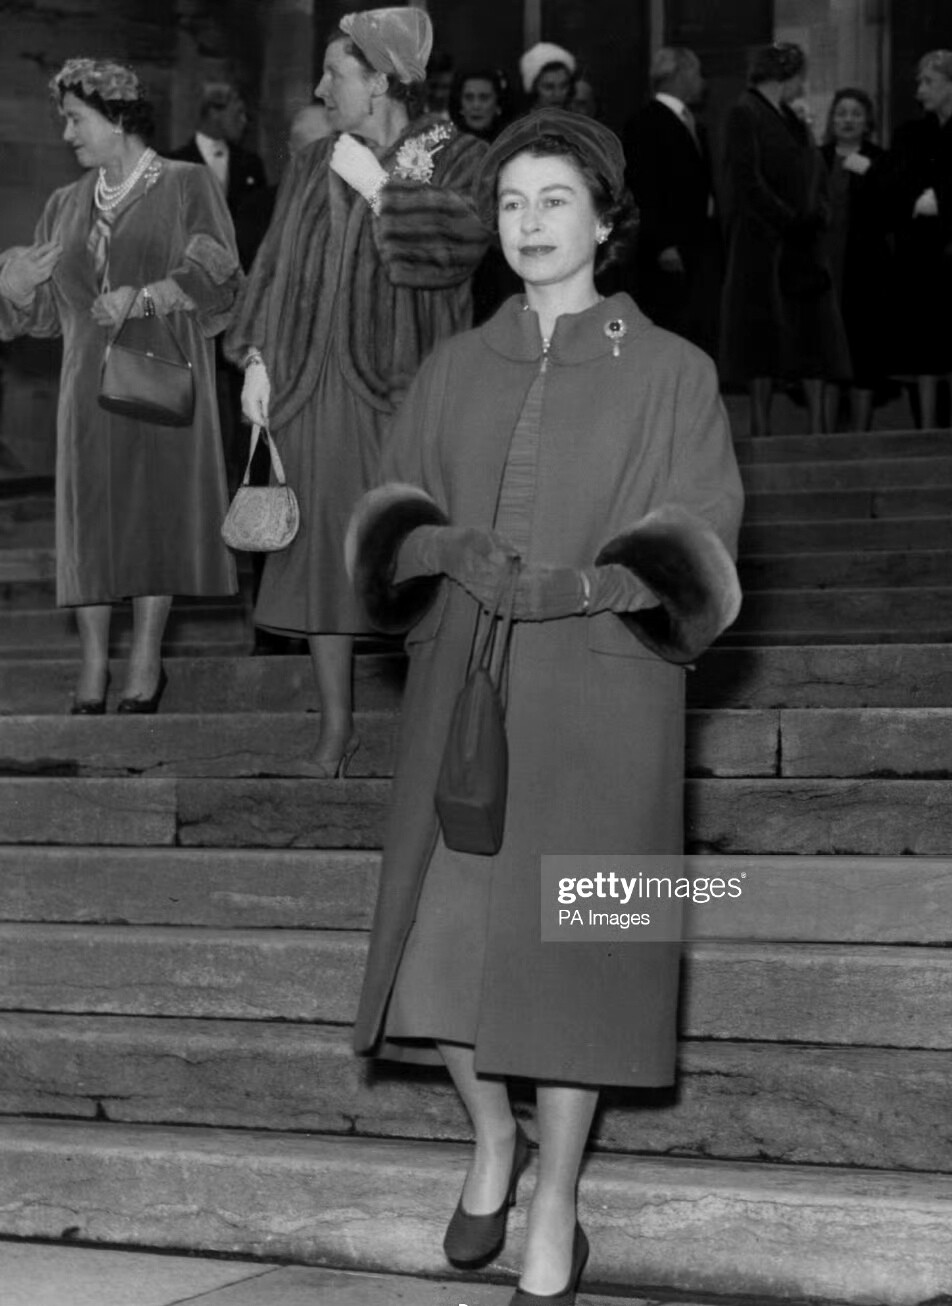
<point>571,432</point>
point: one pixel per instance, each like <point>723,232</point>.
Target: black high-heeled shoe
<point>471,1241</point>
<point>91,706</point>
<point>144,706</point>
<point>568,1294</point>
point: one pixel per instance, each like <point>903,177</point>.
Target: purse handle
<point>490,653</point>
<point>157,317</point>
<point>262,433</point>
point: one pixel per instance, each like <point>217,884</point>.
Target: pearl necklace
<point>107,197</point>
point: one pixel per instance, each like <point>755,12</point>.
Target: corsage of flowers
<point>103,77</point>
<point>414,161</point>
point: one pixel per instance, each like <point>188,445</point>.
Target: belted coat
<point>635,466</point>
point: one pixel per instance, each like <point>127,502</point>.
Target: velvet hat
<point>595,144</point>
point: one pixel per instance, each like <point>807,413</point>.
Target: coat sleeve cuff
<point>378,526</point>
<point>689,570</point>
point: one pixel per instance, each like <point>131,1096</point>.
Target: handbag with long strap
<point>146,373</point>
<point>262,518</point>
<point>473,783</point>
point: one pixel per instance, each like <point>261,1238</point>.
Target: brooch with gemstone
<point>616,330</point>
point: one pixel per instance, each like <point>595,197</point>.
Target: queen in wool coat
<point>572,432</point>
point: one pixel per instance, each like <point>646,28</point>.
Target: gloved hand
<point>256,394</point>
<point>547,593</point>
<point>927,205</point>
<point>858,163</point>
<point>108,309</point>
<point>27,267</point>
<point>358,166</point>
<point>168,296</point>
<point>477,560</point>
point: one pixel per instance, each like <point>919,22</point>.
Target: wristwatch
<point>148,303</point>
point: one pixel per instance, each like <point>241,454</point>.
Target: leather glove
<point>256,394</point>
<point>477,560</point>
<point>108,309</point>
<point>25,268</point>
<point>358,166</point>
<point>547,593</point>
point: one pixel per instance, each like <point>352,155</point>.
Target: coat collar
<point>514,331</point>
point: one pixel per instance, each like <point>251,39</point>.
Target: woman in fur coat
<point>366,265</point>
<point>571,433</point>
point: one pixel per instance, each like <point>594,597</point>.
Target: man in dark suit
<point>678,260</point>
<point>222,121</point>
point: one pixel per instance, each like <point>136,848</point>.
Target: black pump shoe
<point>568,1294</point>
<point>91,706</point>
<point>472,1241</point>
<point>145,706</point>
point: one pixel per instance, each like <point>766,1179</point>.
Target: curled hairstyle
<point>861,97</point>
<point>776,63</point>
<point>497,80</point>
<point>410,94</point>
<point>939,61</point>
<point>135,117</point>
<point>620,214</point>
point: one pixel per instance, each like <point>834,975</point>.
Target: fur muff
<point>685,564</point>
<point>380,523</point>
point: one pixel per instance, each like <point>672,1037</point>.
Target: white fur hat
<point>534,60</point>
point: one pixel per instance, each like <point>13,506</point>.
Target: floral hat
<point>103,77</point>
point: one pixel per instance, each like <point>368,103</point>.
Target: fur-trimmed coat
<point>595,717</point>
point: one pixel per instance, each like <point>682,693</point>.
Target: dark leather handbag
<point>473,782</point>
<point>146,374</point>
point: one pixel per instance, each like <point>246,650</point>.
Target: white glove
<point>256,394</point>
<point>26,267</point>
<point>359,167</point>
<point>926,206</point>
<point>858,163</point>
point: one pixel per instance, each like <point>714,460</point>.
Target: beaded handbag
<point>262,518</point>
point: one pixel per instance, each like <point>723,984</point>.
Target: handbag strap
<point>489,650</point>
<point>262,433</point>
<point>158,317</point>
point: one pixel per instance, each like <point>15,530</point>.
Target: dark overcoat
<point>921,159</point>
<point>669,174</point>
<point>779,316</point>
<point>595,715</point>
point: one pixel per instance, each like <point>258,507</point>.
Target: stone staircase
<point>183,923</point>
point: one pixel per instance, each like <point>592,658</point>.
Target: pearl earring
<point>601,237</point>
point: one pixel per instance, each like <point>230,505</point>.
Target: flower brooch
<point>415,161</point>
<point>616,330</point>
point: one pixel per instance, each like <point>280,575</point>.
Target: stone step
<point>852,474</point>
<point>860,675</point>
<point>836,505</point>
<point>51,631</point>
<point>678,1224</point>
<point>905,612</point>
<point>833,899</point>
<point>914,742</point>
<point>802,638</point>
<point>850,535</point>
<point>28,563</point>
<point>735,1100</point>
<point>846,570</point>
<point>877,817</point>
<point>873,445</point>
<point>905,675</point>
<point>227,683</point>
<point>855,995</point>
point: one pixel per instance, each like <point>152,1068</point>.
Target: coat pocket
<point>607,633</point>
